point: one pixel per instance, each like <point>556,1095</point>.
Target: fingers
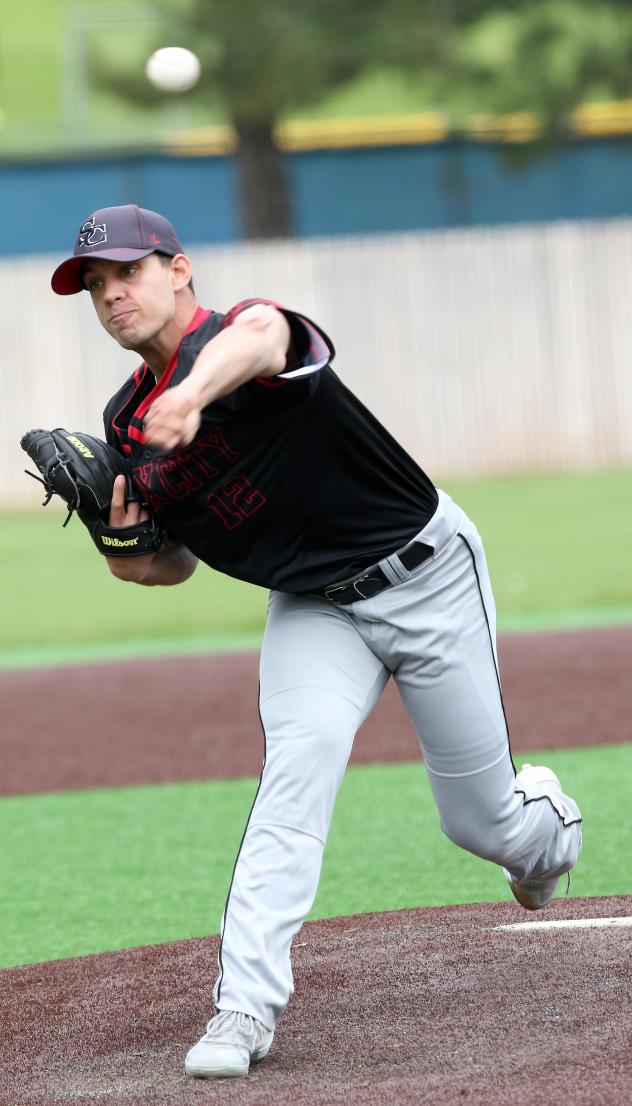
<point>170,423</point>
<point>117,506</point>
<point>122,514</point>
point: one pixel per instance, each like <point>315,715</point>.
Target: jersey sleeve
<point>311,350</point>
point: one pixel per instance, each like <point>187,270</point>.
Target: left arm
<point>256,344</point>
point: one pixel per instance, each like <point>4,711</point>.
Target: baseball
<point>173,69</point>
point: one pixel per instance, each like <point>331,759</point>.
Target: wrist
<point>191,394</point>
<point>136,570</point>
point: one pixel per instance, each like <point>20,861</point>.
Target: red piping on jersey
<point>270,383</point>
<point>229,319</point>
<point>200,316</point>
<point>140,374</point>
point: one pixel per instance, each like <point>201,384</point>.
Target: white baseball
<point>173,69</point>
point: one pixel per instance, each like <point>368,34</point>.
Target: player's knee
<point>306,756</point>
<point>316,725</point>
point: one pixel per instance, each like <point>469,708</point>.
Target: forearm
<point>233,357</point>
<point>172,564</point>
<point>256,344</point>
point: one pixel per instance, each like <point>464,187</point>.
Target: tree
<point>265,59</point>
<point>544,56</point>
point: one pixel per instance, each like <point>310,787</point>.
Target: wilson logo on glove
<point>117,541</point>
<point>82,470</point>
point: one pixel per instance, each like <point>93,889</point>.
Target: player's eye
<point>129,270</point>
<point>93,284</point>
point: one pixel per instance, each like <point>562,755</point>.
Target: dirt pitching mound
<point>432,1006</point>
<point>192,718</point>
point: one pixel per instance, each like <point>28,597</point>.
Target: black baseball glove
<point>82,469</point>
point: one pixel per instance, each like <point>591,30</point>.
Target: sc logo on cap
<point>92,234</point>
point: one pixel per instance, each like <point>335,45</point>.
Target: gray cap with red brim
<point>124,233</point>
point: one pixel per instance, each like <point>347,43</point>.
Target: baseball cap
<point>116,234</point>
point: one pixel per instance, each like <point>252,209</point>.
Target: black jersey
<point>291,483</point>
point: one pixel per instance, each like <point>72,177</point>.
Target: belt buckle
<point>368,576</point>
<point>331,592</point>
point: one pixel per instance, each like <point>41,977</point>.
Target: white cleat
<point>232,1040</point>
<point>535,893</point>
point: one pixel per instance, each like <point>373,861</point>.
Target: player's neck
<point>158,352</point>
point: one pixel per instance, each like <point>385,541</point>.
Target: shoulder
<point>310,347</point>
<point>211,324</point>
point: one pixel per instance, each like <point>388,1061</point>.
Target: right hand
<point>134,569</point>
<point>173,420</point>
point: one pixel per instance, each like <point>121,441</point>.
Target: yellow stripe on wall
<point>589,120</point>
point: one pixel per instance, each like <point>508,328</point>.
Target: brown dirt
<point>427,1007</point>
<point>146,721</point>
<point>413,1007</point>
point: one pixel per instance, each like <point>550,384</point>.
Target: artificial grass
<point>558,549</point>
<point>554,542</point>
<point>90,871</point>
<point>63,595</point>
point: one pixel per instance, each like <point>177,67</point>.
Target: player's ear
<point>180,271</point>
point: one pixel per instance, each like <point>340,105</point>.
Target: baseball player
<point>259,462</point>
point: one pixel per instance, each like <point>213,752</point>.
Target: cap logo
<point>153,238</point>
<point>92,234</point>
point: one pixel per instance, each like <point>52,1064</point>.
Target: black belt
<point>373,580</point>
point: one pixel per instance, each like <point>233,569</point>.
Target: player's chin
<point>126,336</point>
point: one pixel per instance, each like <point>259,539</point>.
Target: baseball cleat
<point>232,1040</point>
<point>535,893</point>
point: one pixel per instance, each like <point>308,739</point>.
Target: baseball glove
<point>81,470</point>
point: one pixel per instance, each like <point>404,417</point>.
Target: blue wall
<point>459,184</point>
<point>391,188</point>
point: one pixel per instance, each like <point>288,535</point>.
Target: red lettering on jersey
<point>180,474</point>
<point>216,437</point>
<point>229,517</point>
<point>192,460</point>
<point>238,500</point>
<point>143,476</point>
<point>245,498</point>
<point>166,467</point>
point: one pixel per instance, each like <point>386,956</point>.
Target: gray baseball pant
<point>323,668</point>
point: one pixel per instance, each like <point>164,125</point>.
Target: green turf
<point>555,542</point>
<point>558,549</point>
<point>62,594</point>
<point>88,871</point>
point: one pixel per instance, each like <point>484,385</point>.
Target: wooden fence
<point>488,351</point>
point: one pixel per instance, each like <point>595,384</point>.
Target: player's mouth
<point>121,317</point>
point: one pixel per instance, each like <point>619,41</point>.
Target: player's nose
<point>113,289</point>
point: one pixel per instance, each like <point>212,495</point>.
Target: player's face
<point>134,300</point>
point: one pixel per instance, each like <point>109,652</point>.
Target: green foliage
<point>259,61</point>
<point>62,72</point>
<point>546,56</point>
<point>90,871</point>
